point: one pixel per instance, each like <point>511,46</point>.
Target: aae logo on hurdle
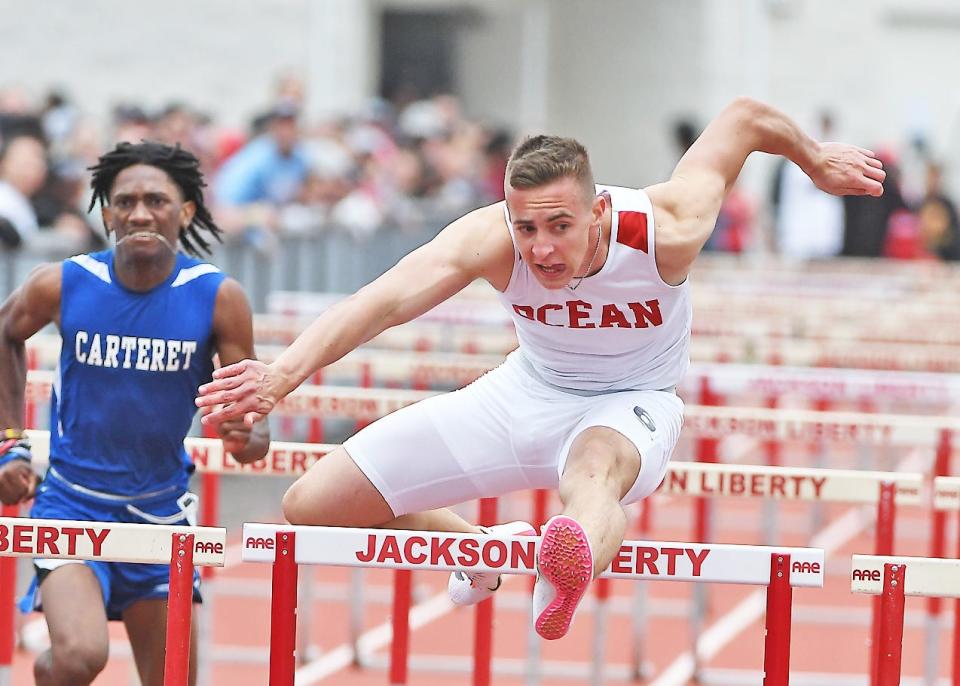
<point>874,575</point>
<point>146,543</point>
<point>255,543</point>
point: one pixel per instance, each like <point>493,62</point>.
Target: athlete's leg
<point>601,468</point>
<point>146,623</point>
<point>335,492</point>
<point>77,622</point>
<point>405,468</point>
<point>617,455</point>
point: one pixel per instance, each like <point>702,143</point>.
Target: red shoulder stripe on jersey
<point>633,230</point>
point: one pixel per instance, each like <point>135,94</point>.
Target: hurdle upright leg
<point>8,584</point>
<point>176,665</point>
<point>400,646</point>
<point>209,514</point>
<point>886,513</point>
<point>776,654</point>
<point>534,652</point>
<point>639,615</point>
<point>956,631</point>
<point>283,611</point>
<point>708,452</point>
<point>890,644</point>
<point>483,615</point>
<point>938,549</point>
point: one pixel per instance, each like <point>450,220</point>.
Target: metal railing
<point>328,259</point>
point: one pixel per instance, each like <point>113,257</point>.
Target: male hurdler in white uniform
<point>595,278</point>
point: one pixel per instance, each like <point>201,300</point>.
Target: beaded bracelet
<point>11,450</point>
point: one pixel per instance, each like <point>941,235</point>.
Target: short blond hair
<point>539,160</point>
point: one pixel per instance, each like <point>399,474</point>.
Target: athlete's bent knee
<point>77,662</point>
<point>601,455</point>
<point>295,506</point>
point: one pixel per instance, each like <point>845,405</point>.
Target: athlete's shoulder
<point>478,243</point>
<point>624,198</point>
<point>191,269</point>
<point>633,212</point>
<point>94,264</point>
<point>484,226</point>
<point>484,218</point>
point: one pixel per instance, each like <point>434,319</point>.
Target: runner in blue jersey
<point>140,325</point>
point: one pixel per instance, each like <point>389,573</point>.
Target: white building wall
<point>618,72</point>
<point>220,55</point>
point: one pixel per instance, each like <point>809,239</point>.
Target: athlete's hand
<point>244,391</point>
<point>842,169</point>
<point>235,435</point>
<point>18,482</point>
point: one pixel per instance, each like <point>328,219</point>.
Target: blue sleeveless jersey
<point>129,371</point>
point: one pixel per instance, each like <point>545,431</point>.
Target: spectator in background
<point>866,219</point>
<point>59,118</point>
<point>939,227</point>
<point>40,204</point>
<point>809,224</point>
<point>174,124</point>
<point>23,171</point>
<point>496,153</point>
<point>271,168</point>
<point>289,87</point>
<point>131,124</point>
<point>179,124</point>
<point>266,173</point>
<point>734,230</point>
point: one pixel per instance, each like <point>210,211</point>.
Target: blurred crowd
<point>402,165</point>
<point>914,219</point>
<point>411,165</point>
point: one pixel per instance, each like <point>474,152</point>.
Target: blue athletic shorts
<point>122,583</point>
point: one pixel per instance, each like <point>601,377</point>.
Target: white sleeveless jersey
<point>623,328</point>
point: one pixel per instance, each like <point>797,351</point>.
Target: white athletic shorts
<point>506,431</point>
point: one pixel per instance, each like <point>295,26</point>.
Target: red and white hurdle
<point>182,548</point>
<point>893,578</point>
<point>286,547</point>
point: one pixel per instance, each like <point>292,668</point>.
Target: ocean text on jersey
<point>578,314</point>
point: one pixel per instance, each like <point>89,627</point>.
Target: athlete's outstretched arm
<point>686,207</point>
<point>467,249</point>
<point>233,333</point>
<point>32,306</point>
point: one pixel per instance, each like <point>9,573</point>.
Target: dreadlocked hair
<point>181,166</point>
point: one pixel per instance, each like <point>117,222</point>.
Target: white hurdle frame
<point>180,547</point>
<point>893,578</point>
<point>285,547</point>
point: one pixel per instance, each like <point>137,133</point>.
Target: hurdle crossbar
<point>790,483</point>
<point>370,403</point>
<point>107,542</point>
<point>837,485</point>
<point>834,384</point>
<point>416,550</point>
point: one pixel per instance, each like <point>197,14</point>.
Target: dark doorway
<point>418,58</point>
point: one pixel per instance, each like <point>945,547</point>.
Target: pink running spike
<point>566,562</point>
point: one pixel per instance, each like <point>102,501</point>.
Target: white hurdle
<point>285,547</point>
<point>893,578</point>
<point>180,547</point>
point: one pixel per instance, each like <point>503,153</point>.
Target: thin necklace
<point>596,251</point>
